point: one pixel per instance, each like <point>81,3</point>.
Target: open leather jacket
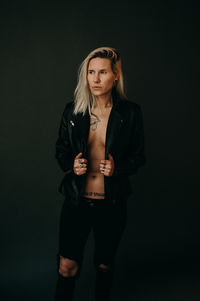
<point>124,141</point>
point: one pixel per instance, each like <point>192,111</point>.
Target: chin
<point>100,93</point>
<point>96,93</point>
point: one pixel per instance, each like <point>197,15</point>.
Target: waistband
<point>93,202</point>
<point>85,199</point>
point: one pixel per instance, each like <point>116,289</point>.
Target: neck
<point>104,101</point>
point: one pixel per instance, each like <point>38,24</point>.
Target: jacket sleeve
<point>63,152</point>
<point>135,156</point>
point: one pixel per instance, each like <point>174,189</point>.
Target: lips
<point>96,87</point>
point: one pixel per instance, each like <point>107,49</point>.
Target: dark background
<point>42,45</point>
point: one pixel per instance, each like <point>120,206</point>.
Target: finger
<point>102,169</point>
<point>110,157</point>
<point>102,165</point>
<point>106,166</point>
<point>76,169</point>
<point>103,161</point>
<point>82,165</point>
<point>82,171</point>
<point>107,173</point>
<point>80,161</point>
<point>106,169</point>
<point>76,164</point>
<point>83,160</point>
<point>78,156</point>
<point>80,168</point>
<point>106,162</point>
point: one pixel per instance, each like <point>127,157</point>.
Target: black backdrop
<point>42,45</point>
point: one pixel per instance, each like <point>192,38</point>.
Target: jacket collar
<point>116,101</point>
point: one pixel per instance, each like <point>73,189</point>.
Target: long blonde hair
<point>83,98</point>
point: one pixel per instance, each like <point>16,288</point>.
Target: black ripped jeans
<point>107,221</point>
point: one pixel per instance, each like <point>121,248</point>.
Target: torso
<point>94,185</point>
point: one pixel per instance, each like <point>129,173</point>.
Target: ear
<point>116,76</point>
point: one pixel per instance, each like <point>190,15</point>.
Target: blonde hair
<point>83,98</point>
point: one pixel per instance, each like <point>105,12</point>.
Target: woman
<point>100,143</point>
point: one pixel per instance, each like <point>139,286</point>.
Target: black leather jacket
<point>124,141</point>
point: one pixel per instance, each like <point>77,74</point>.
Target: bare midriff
<point>94,185</point>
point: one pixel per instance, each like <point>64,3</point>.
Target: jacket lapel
<point>80,132</point>
<point>113,131</point>
<point>80,126</point>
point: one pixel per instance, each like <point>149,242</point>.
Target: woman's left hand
<point>107,166</point>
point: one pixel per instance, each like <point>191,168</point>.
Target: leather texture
<point>124,141</point>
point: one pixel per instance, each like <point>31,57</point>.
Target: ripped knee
<point>67,267</point>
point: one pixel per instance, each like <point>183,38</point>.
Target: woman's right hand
<point>80,165</point>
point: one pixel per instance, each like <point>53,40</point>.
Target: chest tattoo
<point>94,120</point>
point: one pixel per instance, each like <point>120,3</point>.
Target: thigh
<point>75,226</point>
<point>108,226</point>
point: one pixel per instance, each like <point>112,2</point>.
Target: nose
<point>96,78</point>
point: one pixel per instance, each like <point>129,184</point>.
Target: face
<point>100,76</point>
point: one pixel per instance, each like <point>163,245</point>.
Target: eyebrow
<point>99,69</point>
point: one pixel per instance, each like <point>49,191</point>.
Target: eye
<point>90,71</point>
<point>103,72</point>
